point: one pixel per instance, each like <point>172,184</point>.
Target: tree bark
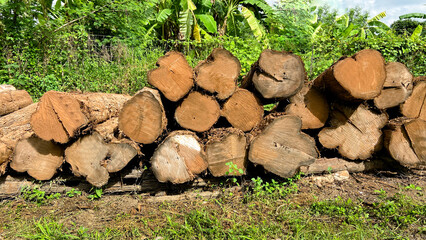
<point>416,131</point>
<point>325,165</point>
<point>13,100</point>
<point>415,105</point>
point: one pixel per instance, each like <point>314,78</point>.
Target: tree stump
<point>415,105</point>
<point>173,77</point>
<point>13,100</point>
<point>218,73</point>
<point>178,158</point>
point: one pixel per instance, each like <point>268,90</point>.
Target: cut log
<point>415,106</point>
<point>311,106</point>
<point>6,87</point>
<point>61,116</point>
<point>143,118</point>
<point>178,158</point>
<point>226,146</point>
<point>282,148</point>
<point>218,73</point>
<point>197,112</point>
<point>355,131</point>
<point>13,100</point>
<point>173,77</point>
<point>276,75</point>
<point>326,165</point>
<point>416,131</point>
<point>243,110</point>
<point>39,158</point>
<point>360,77</point>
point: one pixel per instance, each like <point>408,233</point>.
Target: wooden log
<point>355,131</point>
<point>415,105</point>
<point>276,75</point>
<point>179,158</point>
<point>143,118</point>
<point>197,112</point>
<point>218,73</point>
<point>243,110</point>
<point>13,100</point>
<point>61,116</point>
<point>282,148</point>
<point>173,77</point>
<point>360,77</point>
<point>311,106</point>
<point>6,87</point>
<point>326,165</point>
<point>226,146</point>
<point>397,87</point>
<point>416,131</point>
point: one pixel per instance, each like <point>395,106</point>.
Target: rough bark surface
<point>355,131</point>
<point>360,77</point>
<point>178,158</point>
<point>326,165</point>
<point>416,131</point>
<point>218,73</point>
<point>173,77</point>
<point>282,148</point>
<point>399,145</point>
<point>13,100</point>
<point>415,106</point>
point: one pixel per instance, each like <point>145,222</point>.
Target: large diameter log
<point>179,158</point>
<point>415,106</point>
<point>173,77</point>
<point>360,77</point>
<point>397,87</point>
<point>311,106</point>
<point>356,132</point>
<point>197,112</point>
<point>13,100</point>
<point>276,74</point>
<point>416,131</point>
<point>218,73</point>
<point>282,148</point>
<point>143,118</point>
<point>399,146</point>
<point>243,110</point>
<point>61,116</point>
<point>225,147</point>
<point>325,165</point>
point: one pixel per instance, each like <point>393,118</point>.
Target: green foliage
<point>50,230</point>
<point>35,195</point>
<point>345,210</point>
<point>273,189</point>
<point>72,193</point>
<point>96,193</point>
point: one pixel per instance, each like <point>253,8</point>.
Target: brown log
<point>218,73</point>
<point>197,112</point>
<point>173,77</point>
<point>311,106</point>
<point>13,100</point>
<point>324,165</point>
<point>226,146</point>
<point>243,110</point>
<point>61,116</point>
<point>178,158</point>
<point>415,105</point>
<point>282,148</point>
<point>276,74</point>
<point>416,131</point>
<point>360,77</point>
<point>355,131</point>
<point>143,118</point>
<point>397,87</point>
<point>6,87</point>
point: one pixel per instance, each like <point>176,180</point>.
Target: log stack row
<point>198,119</point>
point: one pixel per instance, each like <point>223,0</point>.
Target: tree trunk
<point>326,165</point>
<point>311,106</point>
<point>360,77</point>
<point>143,118</point>
<point>281,148</point>
<point>276,75</point>
<point>225,146</point>
<point>243,110</point>
<point>178,158</point>
<point>355,131</point>
<point>13,100</point>
<point>415,105</point>
<point>173,77</point>
<point>197,112</point>
<point>61,116</point>
<point>218,73</point>
<point>416,131</point>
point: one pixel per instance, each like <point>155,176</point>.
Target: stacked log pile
<point>194,121</point>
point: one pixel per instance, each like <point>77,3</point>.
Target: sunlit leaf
<point>417,32</point>
<point>252,22</point>
<point>377,17</point>
<point>164,15</point>
<point>413,15</point>
<point>208,22</point>
<point>185,24</point>
<point>196,33</point>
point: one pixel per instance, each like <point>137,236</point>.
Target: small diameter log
<point>61,116</point>
<point>416,131</point>
<point>415,105</point>
<point>282,148</point>
<point>276,74</point>
<point>243,110</point>
<point>326,165</point>
<point>226,146</point>
<point>197,112</point>
<point>173,77</point>
<point>360,77</point>
<point>178,158</point>
<point>143,118</point>
<point>13,100</point>
<point>218,73</point>
<point>397,87</point>
<point>311,106</point>
<point>356,132</point>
